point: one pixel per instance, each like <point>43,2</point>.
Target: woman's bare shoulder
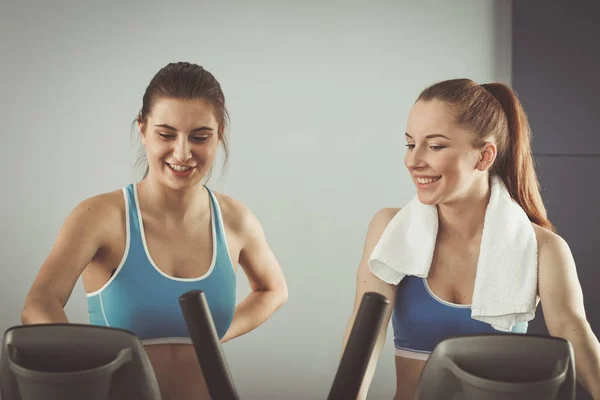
<point>113,200</point>
<point>382,218</point>
<point>547,240</point>
<point>553,249</point>
<point>236,215</point>
<point>101,209</point>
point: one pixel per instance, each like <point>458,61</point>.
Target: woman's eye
<point>199,139</point>
<point>166,135</point>
<point>434,148</point>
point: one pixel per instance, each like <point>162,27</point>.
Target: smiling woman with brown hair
<point>138,249</point>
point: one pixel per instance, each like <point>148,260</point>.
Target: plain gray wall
<point>556,59</point>
<point>318,95</point>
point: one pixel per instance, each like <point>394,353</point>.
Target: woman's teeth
<point>179,168</point>
<point>424,181</point>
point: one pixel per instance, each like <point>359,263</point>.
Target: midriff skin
<point>177,371</point>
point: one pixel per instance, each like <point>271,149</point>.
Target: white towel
<point>506,278</point>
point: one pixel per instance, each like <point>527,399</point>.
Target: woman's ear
<point>487,156</point>
<point>221,133</point>
<point>142,129</point>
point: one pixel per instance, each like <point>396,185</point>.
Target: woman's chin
<point>427,199</point>
<point>180,184</point>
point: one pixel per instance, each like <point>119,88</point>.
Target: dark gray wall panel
<point>556,64</point>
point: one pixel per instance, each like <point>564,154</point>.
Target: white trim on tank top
<point>440,300</point>
<point>128,242</point>
<point>222,227</point>
<point>412,354</point>
<point>125,253</point>
<point>102,308</point>
<point>214,243</point>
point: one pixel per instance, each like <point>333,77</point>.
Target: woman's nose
<point>182,151</point>
<point>414,158</point>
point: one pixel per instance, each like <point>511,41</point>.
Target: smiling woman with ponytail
<point>461,137</point>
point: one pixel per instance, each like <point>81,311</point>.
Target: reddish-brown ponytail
<point>493,110</point>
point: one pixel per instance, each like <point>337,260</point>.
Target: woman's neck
<point>171,203</point>
<point>463,219</point>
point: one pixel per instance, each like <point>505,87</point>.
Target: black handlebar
<point>359,348</point>
<point>207,345</point>
<point>351,370</point>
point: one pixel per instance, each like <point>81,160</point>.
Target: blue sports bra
<point>421,319</point>
<point>141,298</point>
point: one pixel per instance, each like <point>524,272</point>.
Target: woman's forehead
<point>432,117</point>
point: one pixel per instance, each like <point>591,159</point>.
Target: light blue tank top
<point>421,319</point>
<point>141,298</point>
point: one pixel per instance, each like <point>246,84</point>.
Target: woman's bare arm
<point>77,242</point>
<point>367,282</point>
<point>564,313</point>
<point>268,284</point>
